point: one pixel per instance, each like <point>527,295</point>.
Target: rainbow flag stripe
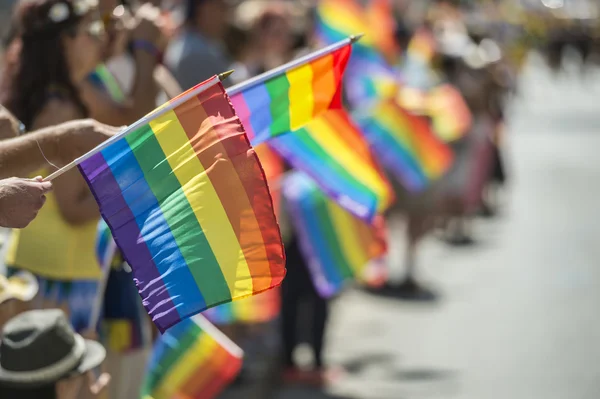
<point>331,150</point>
<point>187,203</point>
<point>449,112</point>
<point>337,245</point>
<point>289,100</point>
<point>260,308</point>
<point>406,145</point>
<point>369,76</point>
<point>191,360</point>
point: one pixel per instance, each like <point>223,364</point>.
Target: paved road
<point>518,313</point>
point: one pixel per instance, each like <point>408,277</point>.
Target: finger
<point>43,200</point>
<point>45,186</point>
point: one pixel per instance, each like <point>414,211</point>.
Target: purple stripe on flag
<point>127,235</point>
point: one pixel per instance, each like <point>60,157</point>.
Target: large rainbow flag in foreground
<point>187,203</point>
<point>290,99</point>
<point>338,246</point>
<point>332,151</point>
<point>406,145</point>
<point>191,360</point>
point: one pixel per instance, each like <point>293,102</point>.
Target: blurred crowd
<point>73,71</point>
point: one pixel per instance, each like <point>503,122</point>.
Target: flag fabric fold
<point>337,245</point>
<point>191,360</point>
<point>187,203</point>
<point>289,100</point>
<point>332,151</point>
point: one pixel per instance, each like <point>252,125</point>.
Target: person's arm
<point>147,43</point>
<point>9,125</point>
<point>60,144</point>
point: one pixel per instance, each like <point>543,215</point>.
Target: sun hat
<point>39,347</point>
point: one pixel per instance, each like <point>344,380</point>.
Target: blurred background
<point>503,302</point>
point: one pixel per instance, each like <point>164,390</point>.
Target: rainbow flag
<point>338,246</point>
<point>449,112</point>
<point>292,98</point>
<point>369,76</point>
<point>260,308</point>
<point>187,203</point>
<point>382,24</point>
<point>406,145</point>
<point>105,245</point>
<point>191,360</point>
<point>331,150</point>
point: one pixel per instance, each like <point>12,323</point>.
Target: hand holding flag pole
<point>141,122</point>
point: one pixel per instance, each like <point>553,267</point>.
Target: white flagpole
<point>291,65</point>
<point>141,122</point>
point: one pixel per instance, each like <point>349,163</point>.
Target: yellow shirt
<point>52,248</point>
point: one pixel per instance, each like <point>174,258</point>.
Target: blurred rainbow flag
<point>276,103</point>
<point>338,246</point>
<point>332,151</point>
<point>256,309</point>
<point>406,145</point>
<point>191,360</point>
<point>369,76</point>
<point>450,115</point>
<point>187,203</point>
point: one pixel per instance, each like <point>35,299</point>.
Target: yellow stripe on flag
<point>300,96</point>
<point>204,201</point>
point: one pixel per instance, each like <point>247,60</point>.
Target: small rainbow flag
<point>406,145</point>
<point>337,245</point>
<point>292,98</point>
<point>382,24</point>
<point>332,151</point>
<point>105,245</point>
<point>449,112</point>
<point>369,76</point>
<point>260,308</point>
<point>187,203</point>
<point>191,360</point>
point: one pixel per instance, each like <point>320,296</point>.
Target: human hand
<point>77,137</point>
<point>148,26</point>
<point>20,200</point>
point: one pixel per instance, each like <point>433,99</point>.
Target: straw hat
<point>22,286</point>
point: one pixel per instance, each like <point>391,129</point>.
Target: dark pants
<point>298,293</point>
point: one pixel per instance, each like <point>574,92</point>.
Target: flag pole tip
<point>225,75</point>
<point>355,38</point>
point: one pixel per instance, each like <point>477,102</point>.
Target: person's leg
<point>320,308</point>
<point>290,299</point>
